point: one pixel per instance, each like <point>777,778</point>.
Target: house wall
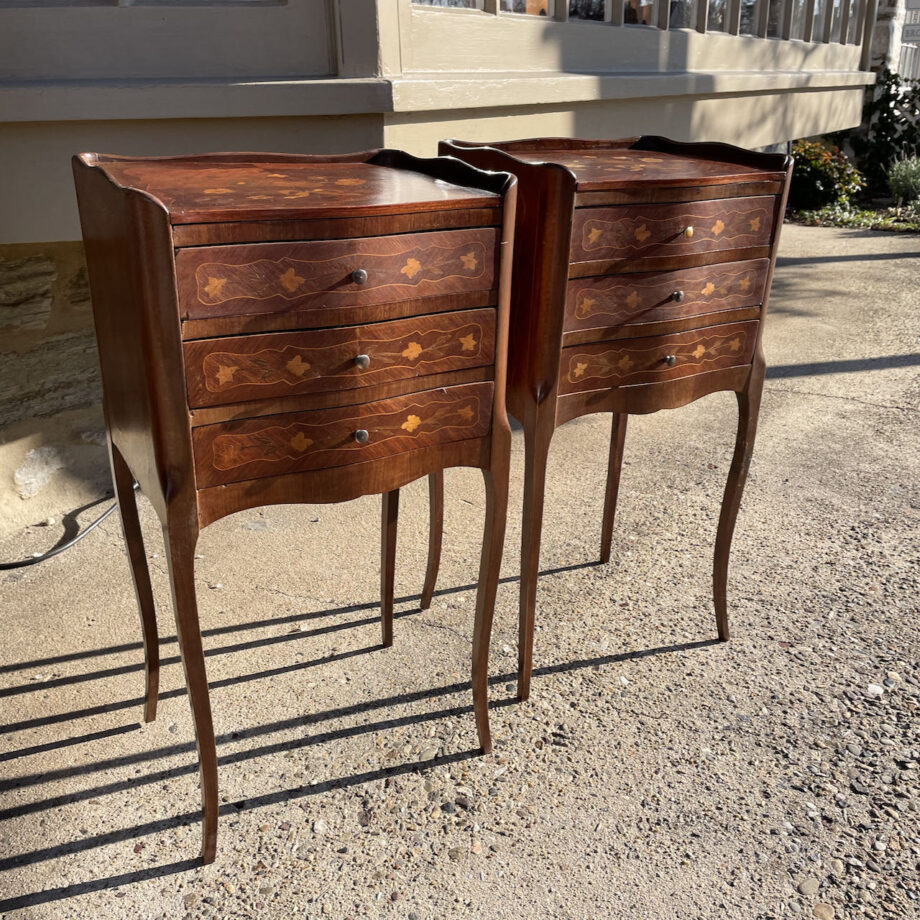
<point>163,77</point>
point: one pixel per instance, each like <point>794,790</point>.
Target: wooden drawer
<point>331,282</point>
<point>657,297</point>
<point>653,230</point>
<point>228,370</point>
<point>324,438</point>
<point>633,361</point>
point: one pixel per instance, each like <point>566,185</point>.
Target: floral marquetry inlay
<point>642,233</point>
<point>411,423</point>
<point>718,227</point>
<point>291,280</point>
<point>633,299</point>
<point>698,352</point>
<point>297,366</point>
<point>469,261</point>
<point>708,289</point>
<point>468,342</point>
<point>755,223</point>
<point>411,268</point>
<point>214,287</point>
<point>412,351</point>
<point>300,442</point>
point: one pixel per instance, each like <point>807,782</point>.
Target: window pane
<point>681,16</point>
<point>748,17</point>
<point>639,12</point>
<point>715,21</point>
<point>465,4</point>
<point>586,9</point>
<point>531,7</point>
<point>853,30</point>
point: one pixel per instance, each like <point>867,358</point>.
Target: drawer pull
<point>362,436</point>
<point>677,296</point>
<point>687,233</point>
<point>359,276</point>
<point>363,361</point>
<point>670,360</point>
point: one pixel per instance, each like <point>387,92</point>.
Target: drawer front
<point>646,231</point>
<point>228,370</point>
<point>644,360</point>
<point>310,277</point>
<point>656,297</point>
<point>297,441</point>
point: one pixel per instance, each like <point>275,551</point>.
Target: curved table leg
<point>435,532</point>
<point>748,408</point>
<point>389,527</point>
<point>496,483</point>
<point>537,438</point>
<point>180,554</point>
<point>134,541</point>
<point>614,468</point>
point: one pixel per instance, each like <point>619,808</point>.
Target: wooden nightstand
<point>278,328</point>
<point>640,282</point>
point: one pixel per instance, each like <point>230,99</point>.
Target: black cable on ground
<point>70,526</point>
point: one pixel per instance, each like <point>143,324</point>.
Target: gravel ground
<point>654,773</point>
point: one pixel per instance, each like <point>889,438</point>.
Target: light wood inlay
<point>316,276</point>
<point>234,451</point>
<point>227,370</point>
<point>644,231</point>
<point>643,360</point>
<point>649,297</point>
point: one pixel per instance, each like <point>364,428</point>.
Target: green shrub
<point>823,176</point>
<point>904,180</point>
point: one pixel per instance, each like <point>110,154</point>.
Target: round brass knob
<point>363,361</point>
<point>359,276</point>
<point>362,436</point>
<point>670,360</point>
<point>687,233</point>
<point>677,296</point>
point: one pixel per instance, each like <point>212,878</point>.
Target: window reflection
<point>637,12</point>
<point>586,9</point>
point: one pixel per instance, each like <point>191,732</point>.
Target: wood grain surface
<point>643,231</point>
<point>219,187</point>
<point>325,438</point>
<point>643,360</point>
<point>227,370</point>
<point>314,276</point>
<point>657,297</point>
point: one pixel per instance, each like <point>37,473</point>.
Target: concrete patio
<point>654,773</point>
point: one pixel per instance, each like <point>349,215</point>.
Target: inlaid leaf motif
<point>643,233</point>
<point>580,368</point>
<point>469,260</point>
<point>297,366</point>
<point>735,344</point>
<point>718,227</point>
<point>755,223</point>
<point>594,235</point>
<point>225,373</point>
<point>215,286</point>
<point>708,289</point>
<point>291,280</point>
<point>625,363</point>
<point>468,342</point>
<point>411,268</point>
<point>633,299</point>
<point>301,442</point>
<point>466,413</point>
<point>744,284</point>
<point>698,352</point>
<point>585,306</point>
<point>411,423</point>
<point>412,351</point>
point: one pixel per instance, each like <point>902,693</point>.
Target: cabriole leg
<point>614,468</point>
<point>748,408</point>
<point>134,541</point>
<point>180,553</point>
<point>388,530</point>
<point>435,532</point>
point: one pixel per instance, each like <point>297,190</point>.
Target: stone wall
<point>48,360</point>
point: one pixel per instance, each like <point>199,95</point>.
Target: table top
<point>616,164</point>
<point>225,187</point>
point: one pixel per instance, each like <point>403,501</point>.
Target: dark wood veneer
<point>608,221</point>
<point>433,395</point>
